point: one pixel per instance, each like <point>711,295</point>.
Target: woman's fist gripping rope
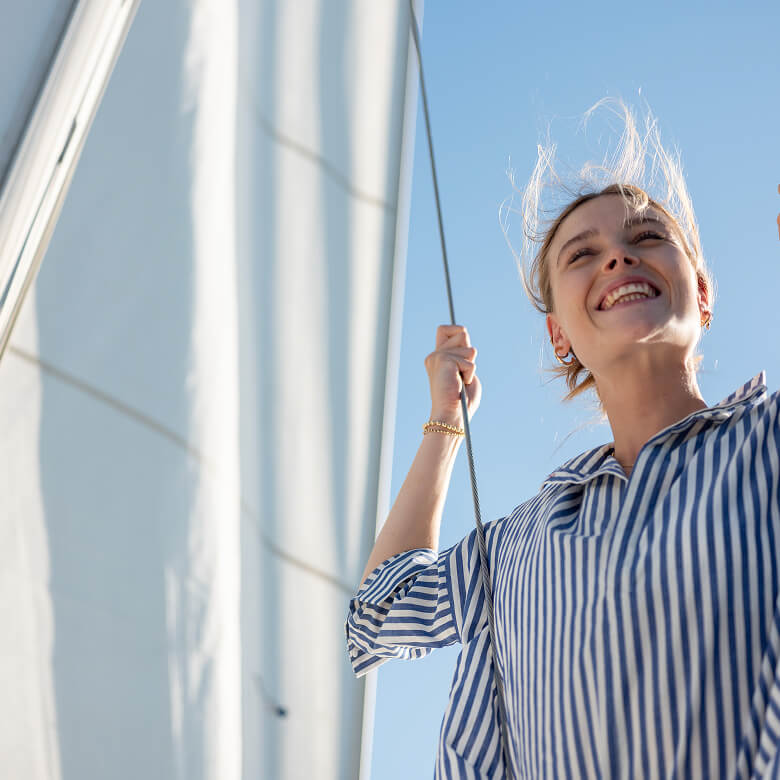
<point>450,366</point>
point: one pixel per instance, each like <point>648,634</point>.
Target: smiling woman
<point>624,174</point>
<point>637,595</point>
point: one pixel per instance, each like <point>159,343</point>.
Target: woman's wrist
<point>447,416</point>
<point>441,441</point>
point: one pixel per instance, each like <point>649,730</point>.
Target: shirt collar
<point>597,461</point>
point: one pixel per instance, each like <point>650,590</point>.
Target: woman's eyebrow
<point>590,232</point>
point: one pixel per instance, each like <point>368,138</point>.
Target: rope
<point>483,559</point>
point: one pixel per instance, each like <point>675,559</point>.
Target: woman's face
<point>614,251</point>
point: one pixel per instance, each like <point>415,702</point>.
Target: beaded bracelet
<point>437,426</point>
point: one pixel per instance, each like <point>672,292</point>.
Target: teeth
<point>626,298</point>
<point>627,292</point>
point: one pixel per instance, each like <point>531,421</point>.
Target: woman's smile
<point>630,300</point>
<point>620,289</point>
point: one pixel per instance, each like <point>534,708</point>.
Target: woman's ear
<point>561,344</point>
<point>704,295</point>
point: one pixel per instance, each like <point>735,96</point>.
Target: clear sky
<point>497,73</point>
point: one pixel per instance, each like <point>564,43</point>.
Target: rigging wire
<point>483,559</point>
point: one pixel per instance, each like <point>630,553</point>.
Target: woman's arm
<point>415,517</point>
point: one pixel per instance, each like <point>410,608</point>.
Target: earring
<point>565,363</point>
<point>558,357</point>
<point>706,319</point>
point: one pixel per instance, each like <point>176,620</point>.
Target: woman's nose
<point>615,262</point>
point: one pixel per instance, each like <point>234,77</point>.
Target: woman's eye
<point>579,253</point>
<point>641,237</point>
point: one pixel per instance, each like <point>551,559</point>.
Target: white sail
<point>197,399</point>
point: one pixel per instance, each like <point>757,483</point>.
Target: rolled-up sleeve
<point>402,610</point>
<point>415,602</point>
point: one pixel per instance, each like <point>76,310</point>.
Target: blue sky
<point>497,73</point>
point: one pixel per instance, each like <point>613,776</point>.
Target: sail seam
<point>328,167</point>
<point>179,441</point>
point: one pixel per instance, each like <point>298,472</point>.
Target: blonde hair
<point>623,174</point>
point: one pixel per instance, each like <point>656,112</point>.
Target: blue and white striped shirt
<point>637,619</point>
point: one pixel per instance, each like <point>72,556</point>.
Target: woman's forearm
<point>415,517</point>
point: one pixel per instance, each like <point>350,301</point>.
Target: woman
<point>637,595</point>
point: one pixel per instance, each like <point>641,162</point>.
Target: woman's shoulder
<point>770,402</point>
<point>756,404</point>
<point>529,511</point>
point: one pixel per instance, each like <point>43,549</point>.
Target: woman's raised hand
<point>449,366</point>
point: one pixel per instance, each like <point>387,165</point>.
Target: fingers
<point>473,395</point>
<point>467,370</point>
<point>450,367</point>
<point>462,357</point>
<point>467,353</point>
<point>452,336</point>
<point>452,341</point>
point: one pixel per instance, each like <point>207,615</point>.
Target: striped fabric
<point>637,620</point>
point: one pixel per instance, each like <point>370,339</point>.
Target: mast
<point>47,148</point>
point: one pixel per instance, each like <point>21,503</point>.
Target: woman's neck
<point>640,403</point>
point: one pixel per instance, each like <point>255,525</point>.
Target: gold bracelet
<point>436,429</point>
<point>449,427</point>
<point>437,426</point>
